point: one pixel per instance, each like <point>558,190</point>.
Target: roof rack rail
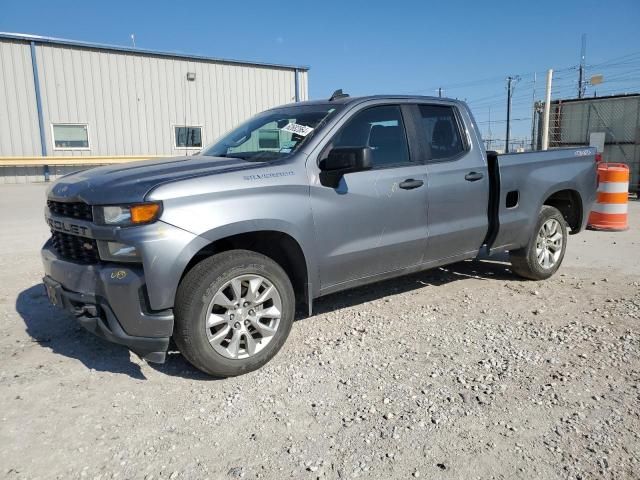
<point>338,94</point>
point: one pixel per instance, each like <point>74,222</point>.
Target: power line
<point>488,80</point>
<point>504,120</point>
<point>621,73</point>
<point>620,60</point>
<point>615,59</point>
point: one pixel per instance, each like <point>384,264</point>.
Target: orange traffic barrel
<point>610,212</point>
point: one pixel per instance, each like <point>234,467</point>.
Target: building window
<point>188,137</point>
<point>70,136</point>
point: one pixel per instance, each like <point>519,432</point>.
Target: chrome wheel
<point>243,316</point>
<point>549,243</point>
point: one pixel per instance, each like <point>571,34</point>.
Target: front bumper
<point>111,301</point>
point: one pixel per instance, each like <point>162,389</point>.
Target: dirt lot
<point>464,372</point>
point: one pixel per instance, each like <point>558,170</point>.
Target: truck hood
<point>130,182</point>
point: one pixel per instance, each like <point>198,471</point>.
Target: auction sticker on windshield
<point>302,130</point>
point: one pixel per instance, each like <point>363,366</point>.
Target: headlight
<point>125,215</point>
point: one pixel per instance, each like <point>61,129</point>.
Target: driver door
<point>375,221</point>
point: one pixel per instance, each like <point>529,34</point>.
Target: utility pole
<point>538,112</point>
<point>547,111</point>
<point>440,92</point>
<point>510,81</point>
<point>581,79</point>
<point>506,143</point>
<point>490,133</point>
<point>533,116</point>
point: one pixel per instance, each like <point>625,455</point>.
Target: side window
<point>381,129</point>
<point>441,131</point>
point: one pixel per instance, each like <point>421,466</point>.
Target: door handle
<point>410,184</point>
<point>473,176</point>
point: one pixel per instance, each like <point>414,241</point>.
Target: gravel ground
<point>464,372</point>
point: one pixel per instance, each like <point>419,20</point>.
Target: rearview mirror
<point>342,160</point>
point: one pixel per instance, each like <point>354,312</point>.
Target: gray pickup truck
<point>216,250</point>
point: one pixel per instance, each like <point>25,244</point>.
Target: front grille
<point>74,248</point>
<point>79,210</point>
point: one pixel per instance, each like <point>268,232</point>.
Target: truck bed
<point>522,182</point>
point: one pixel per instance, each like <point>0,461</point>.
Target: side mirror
<point>342,160</point>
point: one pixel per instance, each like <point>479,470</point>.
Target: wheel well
<point>569,203</point>
<point>280,247</point>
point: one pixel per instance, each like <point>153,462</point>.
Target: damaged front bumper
<point>111,301</point>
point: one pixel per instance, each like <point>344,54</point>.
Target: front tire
<point>233,312</point>
<point>542,257</point>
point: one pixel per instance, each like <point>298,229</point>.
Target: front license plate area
<point>54,292</point>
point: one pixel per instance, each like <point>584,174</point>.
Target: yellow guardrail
<point>73,160</point>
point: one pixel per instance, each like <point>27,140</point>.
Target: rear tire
<point>542,257</point>
<point>233,312</point>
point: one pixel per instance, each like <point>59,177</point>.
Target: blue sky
<point>467,48</point>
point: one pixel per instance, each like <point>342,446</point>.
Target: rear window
<point>442,131</point>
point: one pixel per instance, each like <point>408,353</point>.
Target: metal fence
<point>576,122</point>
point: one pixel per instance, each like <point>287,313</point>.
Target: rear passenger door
<point>458,183</point>
<point>374,221</point>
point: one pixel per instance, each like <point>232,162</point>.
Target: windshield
<point>273,134</point>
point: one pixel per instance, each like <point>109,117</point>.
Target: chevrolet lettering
<point>67,227</point>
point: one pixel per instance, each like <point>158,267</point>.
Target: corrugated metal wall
<point>131,102</point>
<point>304,85</point>
<point>19,133</point>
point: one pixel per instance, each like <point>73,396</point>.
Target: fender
<point>312,282</point>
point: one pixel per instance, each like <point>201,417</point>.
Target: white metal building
<point>62,98</point>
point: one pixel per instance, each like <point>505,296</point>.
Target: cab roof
<point>347,100</point>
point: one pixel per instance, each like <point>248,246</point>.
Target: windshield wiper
<point>263,156</point>
<point>223,155</point>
